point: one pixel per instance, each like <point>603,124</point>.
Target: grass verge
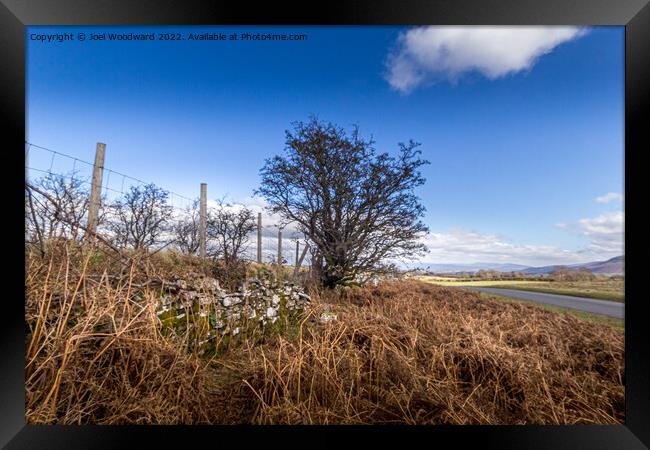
<point>601,295</point>
<point>595,318</point>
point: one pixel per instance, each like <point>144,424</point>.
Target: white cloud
<point>460,246</point>
<point>605,232</point>
<point>610,197</point>
<point>270,222</point>
<point>424,54</point>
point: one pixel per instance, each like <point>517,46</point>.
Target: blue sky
<point>523,127</point>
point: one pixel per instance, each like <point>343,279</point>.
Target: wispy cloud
<point>461,245</point>
<point>610,197</point>
<point>605,236</point>
<point>425,54</point>
<point>605,232</point>
<point>271,223</point>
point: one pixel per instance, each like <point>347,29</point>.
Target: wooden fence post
<point>259,238</point>
<point>279,247</point>
<point>96,188</point>
<point>203,220</point>
<point>299,261</point>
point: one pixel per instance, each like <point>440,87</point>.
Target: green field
<point>608,289</point>
<point>448,281</point>
<point>585,290</point>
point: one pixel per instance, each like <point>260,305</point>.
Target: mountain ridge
<point>612,266</point>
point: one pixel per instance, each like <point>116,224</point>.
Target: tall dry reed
<point>405,352</point>
<point>418,354</point>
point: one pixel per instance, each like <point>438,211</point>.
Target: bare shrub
<point>59,210</point>
<point>228,230</point>
<point>141,218</point>
<point>186,230</point>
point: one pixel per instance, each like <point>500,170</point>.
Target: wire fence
<point>41,161</point>
<point>269,245</point>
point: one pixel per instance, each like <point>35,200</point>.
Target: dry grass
<point>95,353</point>
<point>418,354</point>
<point>407,352</point>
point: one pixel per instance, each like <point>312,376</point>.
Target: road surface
<point>591,305</point>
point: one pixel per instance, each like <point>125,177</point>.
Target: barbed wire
<point>269,234</point>
<point>108,171</point>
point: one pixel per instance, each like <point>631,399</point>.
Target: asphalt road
<point>591,305</point>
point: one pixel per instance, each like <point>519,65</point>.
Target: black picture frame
<point>15,15</point>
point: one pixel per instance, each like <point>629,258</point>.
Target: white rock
<point>205,300</point>
<point>231,300</point>
<point>327,317</point>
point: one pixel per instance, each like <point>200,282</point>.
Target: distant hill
<point>471,268</point>
<point>613,266</point>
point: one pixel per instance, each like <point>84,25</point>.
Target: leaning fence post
<point>299,261</point>
<point>203,219</point>
<point>259,238</point>
<point>96,188</point>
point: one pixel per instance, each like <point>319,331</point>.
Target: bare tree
<point>228,230</point>
<point>186,230</point>
<point>564,273</point>
<point>61,213</point>
<point>141,218</point>
<point>357,207</point>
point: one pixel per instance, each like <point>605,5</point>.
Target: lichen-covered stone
<point>327,317</point>
<point>206,310</point>
<point>271,312</point>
